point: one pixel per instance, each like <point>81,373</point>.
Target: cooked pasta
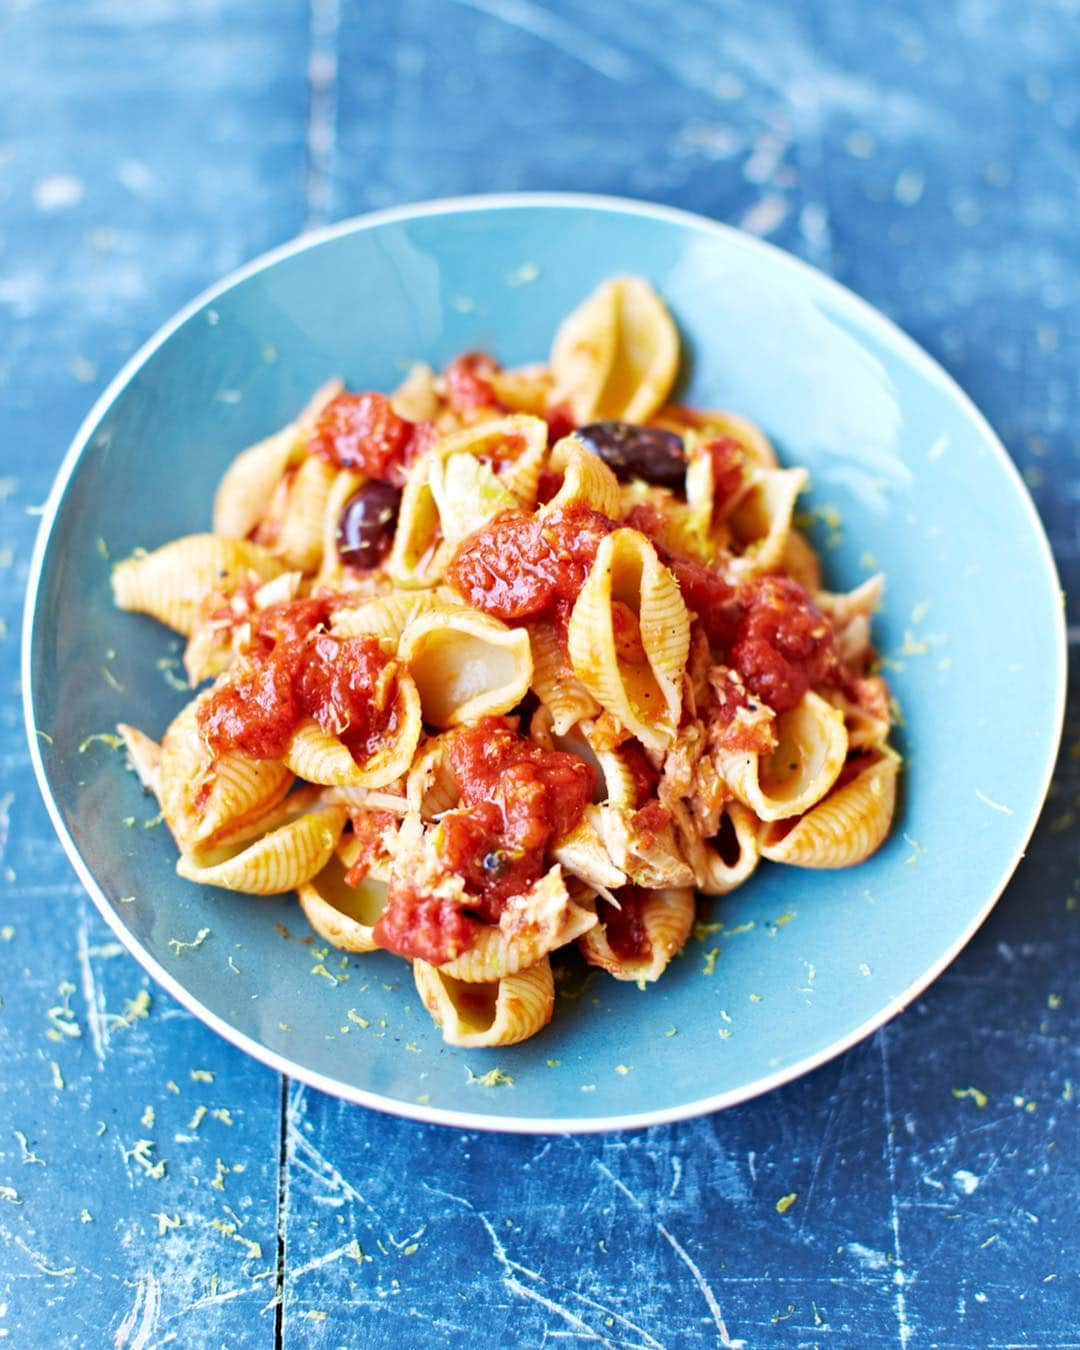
<point>513,661</point>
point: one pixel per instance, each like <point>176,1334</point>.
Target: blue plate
<point>907,476</point>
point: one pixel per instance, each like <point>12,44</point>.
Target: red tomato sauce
<point>468,383</point>
<point>516,800</point>
<point>362,431</point>
<point>521,567</point>
<point>784,644</point>
<point>368,830</point>
<point>641,770</point>
<point>728,461</point>
<point>623,927</point>
<point>295,670</point>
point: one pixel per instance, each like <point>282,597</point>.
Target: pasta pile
<point>509,660</point>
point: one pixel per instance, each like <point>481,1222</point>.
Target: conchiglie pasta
<point>811,747</point>
<point>466,665</point>
<point>319,757</point>
<point>724,860</point>
<point>545,918</point>
<point>847,825</point>
<point>616,356</point>
<point>649,855</point>
<point>496,1012</point>
<point>586,479</point>
<point>385,617</point>
<point>666,918</point>
<point>345,915</point>
<point>760,524</point>
<point>301,527</point>
<point>554,682</point>
<point>283,858</point>
<point>332,573</point>
<point>708,425</point>
<point>209,799</point>
<point>170,583</point>
<point>245,492</point>
<point>144,754</point>
<point>629,636</point>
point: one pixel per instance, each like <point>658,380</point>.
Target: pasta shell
<point>332,574</point>
<point>532,925</point>
<point>644,694</point>
<point>667,917</point>
<point>431,787</point>
<point>616,356</point>
<point>279,861</point>
<point>300,534</point>
<point>209,800</point>
<point>497,1012</point>
<point>811,748</point>
<point>245,491</point>
<point>224,625</point>
<point>144,754</point>
<point>800,561</point>
<point>467,495</point>
<point>554,682</point>
<point>170,583</point>
<point>846,826</point>
<point>708,425</point>
<point>525,389</point>
<point>342,914</point>
<point>384,618</point>
<point>418,554</point>
<point>319,757</point>
<point>466,665</point>
<point>761,522</point>
<point>586,479</point>
<point>726,860</point>
<point>866,730</point>
<point>415,398</point>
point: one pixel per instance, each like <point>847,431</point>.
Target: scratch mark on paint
<point>91,996</point>
<point>348,1249</point>
<point>899,1302</point>
<point>140,1320</point>
<point>703,1284</point>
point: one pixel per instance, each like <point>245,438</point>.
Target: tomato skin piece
<point>363,432</point>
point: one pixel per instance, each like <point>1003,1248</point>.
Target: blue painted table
<point>925,154</point>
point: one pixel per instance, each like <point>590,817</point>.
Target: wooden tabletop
<point>157,1187</point>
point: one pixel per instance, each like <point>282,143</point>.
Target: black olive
<point>630,451</point>
<point>366,527</point>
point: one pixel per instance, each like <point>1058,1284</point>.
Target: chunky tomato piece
<point>362,431</point>
<point>623,926</point>
<point>368,830</point>
<point>468,382</point>
<point>728,464</point>
<point>520,566</point>
<point>784,644</point>
<point>424,927</point>
<point>644,775</point>
<point>293,671</point>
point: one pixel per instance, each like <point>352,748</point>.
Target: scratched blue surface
<point>925,154</point>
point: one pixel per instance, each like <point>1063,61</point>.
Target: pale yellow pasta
<point>170,583</point>
<point>209,799</point>
<point>531,926</point>
<point>224,625</point>
<point>300,531</point>
<point>319,757</point>
<point>466,665</point>
<point>667,916</point>
<point>800,561</point>
<point>431,786</point>
<point>643,689</point>
<point>811,747</point>
<point>850,614</point>
<point>467,494</point>
<point>385,617</point>
<point>583,854</point>
<point>345,915</point>
<point>553,679</point>
<point>760,523</point>
<point>586,479</point>
<point>846,826</point>
<point>415,398</point>
<point>616,356</point>
<point>280,860</point>
<point>495,1012</point>
<point>727,858</point>
<point>332,573</point>
<point>709,425</point>
<point>249,484</point>
<point>526,389</point>
<point>867,722</point>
